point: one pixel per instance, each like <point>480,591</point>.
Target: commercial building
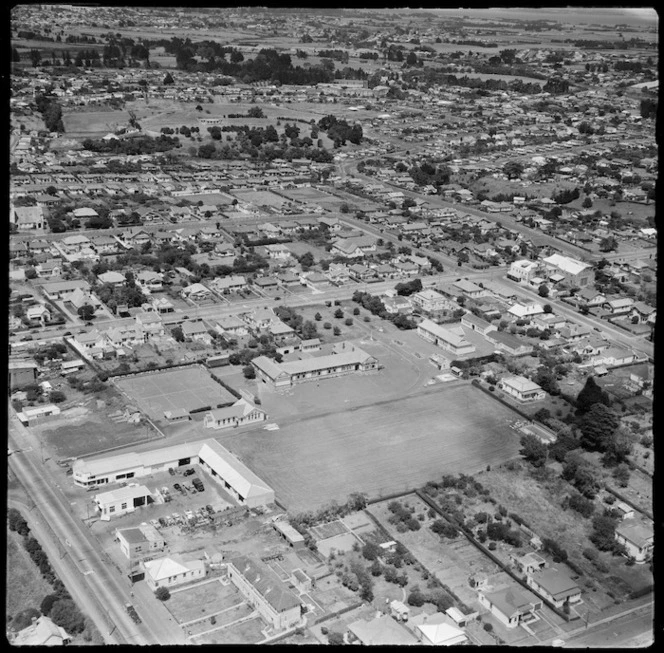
<point>450,339</point>
<point>265,591</point>
<point>226,469</point>
<point>576,273</point>
<point>240,413</point>
<point>140,542</point>
<point>121,500</point>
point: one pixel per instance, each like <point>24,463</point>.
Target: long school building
<point>346,361</point>
<point>236,478</point>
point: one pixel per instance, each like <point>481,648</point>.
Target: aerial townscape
<point>331,326</point>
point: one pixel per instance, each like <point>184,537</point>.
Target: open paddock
<point>189,388</point>
<point>380,448</point>
<point>91,122</point>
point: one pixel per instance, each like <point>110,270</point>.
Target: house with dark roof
<point>555,585</point>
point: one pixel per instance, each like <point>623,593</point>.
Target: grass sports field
<point>381,448</point>
<point>189,388</point>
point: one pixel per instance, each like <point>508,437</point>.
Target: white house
<point>637,537</point>
<point>511,605</point>
<point>239,414</point>
<point>168,572</point>
<point>521,388</point>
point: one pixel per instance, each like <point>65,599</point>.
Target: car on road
<point>26,338</point>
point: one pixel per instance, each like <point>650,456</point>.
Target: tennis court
<point>190,388</point>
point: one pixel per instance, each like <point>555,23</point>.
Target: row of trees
<point>133,145</point>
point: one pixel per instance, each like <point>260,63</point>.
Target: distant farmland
<point>381,448</point>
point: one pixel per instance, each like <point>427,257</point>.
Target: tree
<point>17,522</point>
<point>168,79</point>
<point>548,308</point>
<point>57,397</point>
<point>249,372</point>
<point>66,614</point>
<point>47,603</point>
<point>513,169</point>
<point>608,244</point>
<point>533,450</point>
<point>335,638</point>
<point>598,427</point>
<point>338,313</point>
<point>162,593</point>
<point>590,394</point>
<point>177,333</point>
<point>336,331</point>
<point>86,312</point>
<point>543,290</point>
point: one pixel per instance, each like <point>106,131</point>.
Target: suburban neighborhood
<point>331,326</point>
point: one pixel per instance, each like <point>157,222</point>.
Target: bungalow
<point>521,388</point>
<point>310,345</point>
<point>28,217</point>
<point>239,414</point>
<point>406,268</point>
<point>73,244</point>
<point>122,500</point>
<point>82,297</point>
<point>333,224</point>
<point>231,325</point>
<point>338,273</point>
<point>266,283</point>
<point>450,339</point>
<point>104,244</point>
<point>196,292</point>
<point>92,343</point>
<point>278,252</point>
<point>136,238</point>
<point>228,284</point>
<point>150,280</point>
<point>381,630</point>
<point>525,310</point>
<point>359,272</point>
<point>288,279</point>
<point>619,306</point>
<point>39,313</point>
<point>637,538</point>
<point>111,277</point>
<point>196,331</point>
<point>589,297</point>
<point>511,605</point>
<point>41,632</point>
<point>437,630</point>
<point>162,305</point>
<point>398,305</point>
<point>168,572</point>
<point>85,213</point>
<point>555,586</point>
<point>127,333</point>
<point>259,318</point>
<point>150,323</point>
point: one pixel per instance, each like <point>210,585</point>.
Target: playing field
<point>190,388</point>
<point>381,448</point>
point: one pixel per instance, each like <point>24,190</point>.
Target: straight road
<point>88,573</point>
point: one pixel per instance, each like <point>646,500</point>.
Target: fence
<point>630,503</point>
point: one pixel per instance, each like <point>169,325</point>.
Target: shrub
<point>327,325</point>
<point>415,598</point>
<point>66,614</point>
<point>487,627</point>
<point>590,554</point>
<point>492,546</point>
<point>162,593</point>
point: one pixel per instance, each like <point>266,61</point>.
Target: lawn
<point>246,632</point>
<point>24,585</point>
<point>188,388</point>
<point>185,605</point>
<point>381,448</point>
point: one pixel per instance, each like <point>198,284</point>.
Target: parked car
<point>198,484</point>
<point>177,486</point>
<point>188,472</point>
<point>210,509</point>
<point>171,471</point>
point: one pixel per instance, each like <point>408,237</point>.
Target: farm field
<point>91,123</point>
<point>378,449</point>
<point>188,388</point>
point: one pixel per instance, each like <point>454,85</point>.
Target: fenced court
<point>538,431</point>
<point>190,388</point>
<point>323,531</point>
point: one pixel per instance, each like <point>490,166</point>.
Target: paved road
<point>98,586</point>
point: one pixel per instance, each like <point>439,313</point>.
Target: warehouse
<point>236,478</point>
<point>451,340</point>
<point>121,501</point>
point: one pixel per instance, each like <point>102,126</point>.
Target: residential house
<point>149,280</point>
<point>511,605</point>
<point>150,324</point>
<point>361,272</point>
<point>398,305</point>
<point>196,292</point>
<point>111,277</point>
<point>521,388</point>
<point>104,244</point>
<point>259,318</point>
<point>619,305</point>
<point>589,297</point>
<point>643,312</point>
<point>38,313</point>
<point>63,289</point>
<point>231,326</point>
<point>266,592</point>
<point>508,343</point>
<point>406,268</point>
<point>278,252</point>
<point>437,629</point>
<point>41,632</point>
<point>239,414</point>
<point>231,283</point>
<point>338,273</point>
<point>162,305</point>
<point>520,310</point>
<point>28,217</point>
<point>477,323</point>
<point>381,630</point>
<point>169,572</point>
<point>555,585</point>
<point>637,537</point>
<point>196,331</point>
<point>75,244</point>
